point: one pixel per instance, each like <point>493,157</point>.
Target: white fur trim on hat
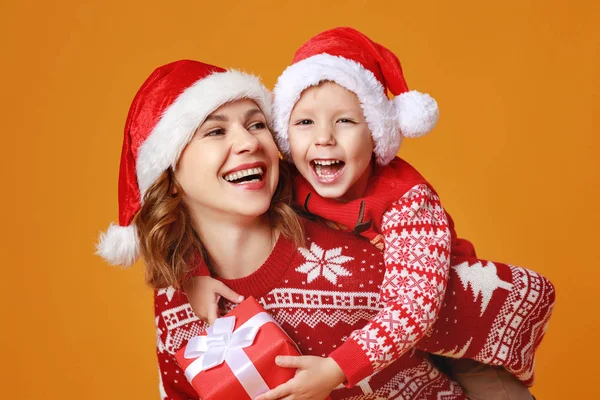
<point>173,132</point>
<point>378,109</point>
<point>163,147</point>
<point>418,113</point>
<point>119,245</point>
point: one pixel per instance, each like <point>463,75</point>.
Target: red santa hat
<point>352,60</point>
<point>166,111</point>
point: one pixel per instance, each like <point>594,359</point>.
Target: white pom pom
<point>119,245</point>
<point>417,113</point>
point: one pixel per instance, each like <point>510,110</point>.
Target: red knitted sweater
<point>319,294</point>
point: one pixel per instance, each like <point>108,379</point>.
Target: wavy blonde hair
<point>169,245</point>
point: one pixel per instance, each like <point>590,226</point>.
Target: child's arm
<point>417,261</point>
<point>315,378</point>
<point>204,293</point>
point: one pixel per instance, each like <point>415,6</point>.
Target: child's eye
<point>346,121</point>
<point>258,126</point>
<point>215,132</point>
<point>304,122</point>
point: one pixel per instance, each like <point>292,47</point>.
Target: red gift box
<point>235,357</point>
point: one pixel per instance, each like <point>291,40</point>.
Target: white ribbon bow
<point>223,344</point>
<point>220,340</point>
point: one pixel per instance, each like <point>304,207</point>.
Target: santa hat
<point>171,104</point>
<point>353,61</point>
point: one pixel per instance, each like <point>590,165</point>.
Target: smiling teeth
<point>326,162</point>
<point>327,170</point>
<point>240,174</point>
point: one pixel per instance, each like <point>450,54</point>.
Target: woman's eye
<point>215,132</point>
<point>304,122</point>
<point>258,126</point>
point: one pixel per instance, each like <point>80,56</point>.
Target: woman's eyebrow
<point>252,112</point>
<point>219,117</point>
<point>216,117</point>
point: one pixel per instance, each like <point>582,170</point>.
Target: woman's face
<point>230,168</point>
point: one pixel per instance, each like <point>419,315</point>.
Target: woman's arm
<point>172,383</point>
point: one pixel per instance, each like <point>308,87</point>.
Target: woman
<point>198,151</point>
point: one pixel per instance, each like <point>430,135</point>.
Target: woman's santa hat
<point>352,60</point>
<point>171,104</point>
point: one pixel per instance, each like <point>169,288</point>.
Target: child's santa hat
<point>171,104</point>
<point>352,60</point>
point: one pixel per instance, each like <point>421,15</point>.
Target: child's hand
<point>204,293</point>
<point>315,378</point>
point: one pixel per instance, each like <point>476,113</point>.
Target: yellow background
<point>515,159</point>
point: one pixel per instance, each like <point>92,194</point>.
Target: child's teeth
<point>326,162</point>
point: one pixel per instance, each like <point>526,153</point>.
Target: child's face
<point>230,168</point>
<point>330,141</point>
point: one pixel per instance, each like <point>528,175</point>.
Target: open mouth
<point>246,176</point>
<point>327,170</point>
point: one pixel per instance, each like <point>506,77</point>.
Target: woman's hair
<point>169,245</point>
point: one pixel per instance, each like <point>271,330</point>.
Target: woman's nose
<point>244,141</point>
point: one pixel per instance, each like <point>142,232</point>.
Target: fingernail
<point>241,298</point>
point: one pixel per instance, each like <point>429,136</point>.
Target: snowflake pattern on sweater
<point>328,264</point>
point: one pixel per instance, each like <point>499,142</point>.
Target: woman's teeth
<point>234,176</point>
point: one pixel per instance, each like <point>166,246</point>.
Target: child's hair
<point>169,245</point>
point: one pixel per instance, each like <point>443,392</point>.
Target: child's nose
<point>325,137</point>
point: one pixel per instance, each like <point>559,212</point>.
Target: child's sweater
<point>494,313</point>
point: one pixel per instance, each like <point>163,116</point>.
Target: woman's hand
<point>204,293</point>
<point>315,378</point>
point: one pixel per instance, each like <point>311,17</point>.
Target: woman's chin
<point>252,209</point>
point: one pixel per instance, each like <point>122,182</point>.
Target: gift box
<point>235,357</point>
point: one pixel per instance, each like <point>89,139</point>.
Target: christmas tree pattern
<point>484,280</point>
<point>455,352</point>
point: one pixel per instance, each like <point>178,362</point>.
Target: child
<point>332,118</point>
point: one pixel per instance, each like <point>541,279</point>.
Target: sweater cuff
<point>353,361</point>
